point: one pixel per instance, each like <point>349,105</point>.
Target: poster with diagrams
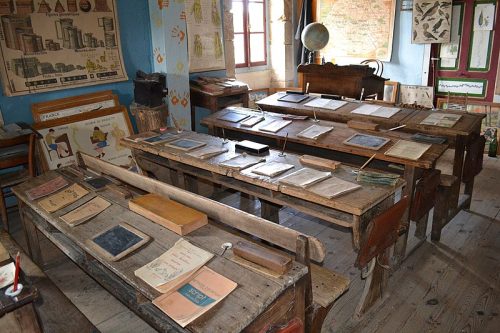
<point>431,21</point>
<point>57,44</point>
<point>204,30</point>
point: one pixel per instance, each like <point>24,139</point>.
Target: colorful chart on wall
<point>50,45</point>
<point>95,133</point>
<point>358,29</point>
<point>204,30</point>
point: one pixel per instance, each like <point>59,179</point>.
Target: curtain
<point>304,20</point>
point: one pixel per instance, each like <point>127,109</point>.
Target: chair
<point>382,233</point>
<point>23,163</point>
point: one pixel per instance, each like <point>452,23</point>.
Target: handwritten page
<point>200,294</point>
<point>333,187</point>
<point>304,177</point>
<point>441,119</point>
<point>408,150</point>
<point>325,103</point>
<point>275,125</point>
<point>376,110</point>
<point>86,211</point>
<point>47,188</point>
<point>242,161</point>
<point>173,267</point>
<point>314,132</point>
<point>272,169</point>
<point>63,198</point>
<point>7,274</point>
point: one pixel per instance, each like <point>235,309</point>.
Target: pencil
<point>369,160</point>
<point>397,127</point>
<point>16,275</point>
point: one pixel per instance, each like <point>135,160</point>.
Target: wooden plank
<point>21,320</point>
<point>258,227</point>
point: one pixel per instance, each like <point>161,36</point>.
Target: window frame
<point>247,33</point>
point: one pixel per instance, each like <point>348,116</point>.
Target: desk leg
<point>458,165</point>
<point>410,176</point>
<point>270,211</point>
<point>30,235</point>
<point>375,284</point>
<point>356,236</point>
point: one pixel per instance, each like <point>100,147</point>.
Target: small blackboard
<point>98,183</point>
<point>118,241</point>
<point>293,98</point>
<point>426,138</point>
<point>366,141</point>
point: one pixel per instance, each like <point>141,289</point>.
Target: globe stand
<point>310,58</point>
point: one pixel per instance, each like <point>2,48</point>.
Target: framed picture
<point>366,141</point>
<point>95,133</point>
<point>391,91</point>
<point>71,106</point>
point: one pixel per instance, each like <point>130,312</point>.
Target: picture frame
<point>131,240</point>
<point>71,106</point>
<point>391,91</point>
<point>366,141</point>
<point>98,132</point>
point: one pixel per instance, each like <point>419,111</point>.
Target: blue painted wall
<point>135,37</point>
<point>407,58</point>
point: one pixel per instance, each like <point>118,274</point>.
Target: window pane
<point>239,49</point>
<point>238,16</point>
<point>256,16</point>
<point>257,48</point>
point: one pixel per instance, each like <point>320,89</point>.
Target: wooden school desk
<point>352,210</point>
<point>461,137</point>
<point>259,300</point>
<point>331,145</point>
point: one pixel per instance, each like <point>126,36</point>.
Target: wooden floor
<point>451,286</point>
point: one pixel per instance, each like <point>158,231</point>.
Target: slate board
<point>118,241</point>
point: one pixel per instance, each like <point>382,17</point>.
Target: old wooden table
<point>331,145</point>
<point>460,137</point>
<point>352,210</point>
<point>258,300</point>
<point>216,101</point>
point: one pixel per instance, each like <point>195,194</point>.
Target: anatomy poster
<point>204,30</point>
<point>431,21</point>
<point>57,44</point>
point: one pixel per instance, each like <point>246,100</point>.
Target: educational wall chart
<point>204,30</point>
<point>431,21</point>
<point>358,29</point>
<point>98,137</point>
<point>51,44</point>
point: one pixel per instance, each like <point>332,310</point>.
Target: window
<point>249,21</point>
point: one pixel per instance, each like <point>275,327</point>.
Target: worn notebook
<point>233,117</point>
<point>275,125</point>
<point>408,150</point>
<point>63,198</point>
<point>242,161</point>
<point>441,119</point>
<point>86,211</point>
<point>314,132</point>
<point>304,177</point>
<point>174,267</point>
<point>272,169</point>
<point>325,103</point>
<point>207,152</point>
<point>252,147</point>
<point>251,121</point>
<point>172,215</point>
<point>333,187</point>
<point>47,188</point>
<point>193,299</point>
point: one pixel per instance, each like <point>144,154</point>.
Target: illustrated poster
<point>99,137</point>
<point>204,30</point>
<point>57,44</point>
<point>431,21</point>
<point>358,29</point>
